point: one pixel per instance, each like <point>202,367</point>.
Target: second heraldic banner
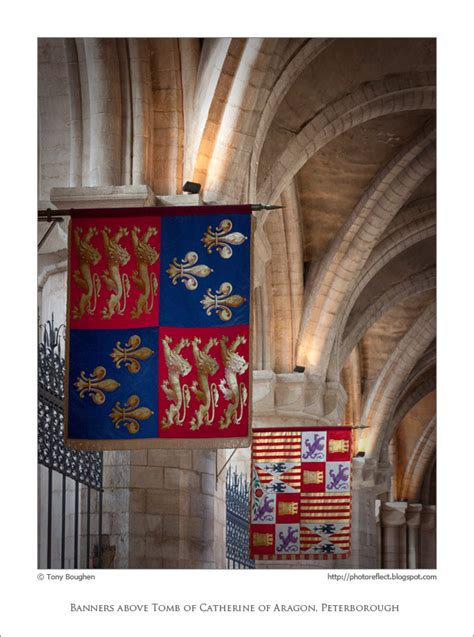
<point>301,493</point>
<point>158,334</point>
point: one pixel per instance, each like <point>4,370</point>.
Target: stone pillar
<point>103,77</point>
<point>392,516</point>
<point>378,533</point>
<point>413,517</point>
<point>367,482</point>
<point>177,511</point>
<point>428,537</point>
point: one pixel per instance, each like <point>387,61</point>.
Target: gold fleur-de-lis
<point>187,270</point>
<point>130,414</point>
<point>221,237</point>
<point>95,385</point>
<point>221,301</point>
<point>130,354</point>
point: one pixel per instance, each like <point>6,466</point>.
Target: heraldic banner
<point>301,493</point>
<point>158,328</point>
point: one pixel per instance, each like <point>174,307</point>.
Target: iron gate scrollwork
<point>237,521</point>
<point>83,467</point>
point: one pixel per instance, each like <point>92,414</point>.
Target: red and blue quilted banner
<point>301,493</point>
<point>158,350</point>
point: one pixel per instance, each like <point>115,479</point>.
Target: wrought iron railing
<point>237,520</point>
<point>83,467</point>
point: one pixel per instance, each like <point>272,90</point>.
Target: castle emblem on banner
<point>301,493</point>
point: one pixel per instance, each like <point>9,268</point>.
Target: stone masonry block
<point>180,479</point>
<point>171,526</point>
<point>153,547</point>
<point>115,500</point>
<point>117,476</point>
<point>137,500</point>
<point>202,551</point>
<point>204,461</point>
<point>136,546</point>
<point>208,484</point>
<point>116,457</point>
<point>138,457</point>
<point>166,502</point>
<point>196,528</point>
<point>120,523</point>
<point>170,458</point>
<point>202,505</point>
<point>137,524</point>
<point>146,477</point>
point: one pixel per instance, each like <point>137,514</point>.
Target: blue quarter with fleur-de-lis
<point>113,384</point>
<point>212,287</point>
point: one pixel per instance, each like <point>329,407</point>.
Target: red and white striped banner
<point>301,493</point>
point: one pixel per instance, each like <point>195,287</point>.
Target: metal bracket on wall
<point>52,223</point>
<point>218,473</point>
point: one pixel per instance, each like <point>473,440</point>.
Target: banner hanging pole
<point>51,215</point>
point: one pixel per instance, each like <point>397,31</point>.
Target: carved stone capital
<point>392,514</point>
<point>357,473</point>
<point>428,517</point>
<point>314,395</point>
<point>335,398</point>
<point>290,392</point>
<point>413,515</point>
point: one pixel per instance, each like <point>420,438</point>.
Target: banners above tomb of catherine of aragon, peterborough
<point>158,335</point>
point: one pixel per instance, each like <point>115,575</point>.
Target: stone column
<point>103,76</point>
<point>177,510</point>
<point>413,517</point>
<point>428,537</point>
<point>369,479</point>
<point>392,517</point>
<point>379,533</point>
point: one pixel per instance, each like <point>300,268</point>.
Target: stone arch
<point>421,227</point>
<point>409,398</point>
<point>411,212</point>
<point>392,378</point>
<point>373,99</point>
<point>306,54</point>
<point>251,83</point>
<point>346,259</point>
<point>425,363</point>
<point>421,282</point>
<point>284,232</point>
<point>226,178</point>
<point>418,463</point>
<point>426,493</point>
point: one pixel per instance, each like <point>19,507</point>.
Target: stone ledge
<point>179,200</point>
<point>263,391</point>
<point>102,197</point>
